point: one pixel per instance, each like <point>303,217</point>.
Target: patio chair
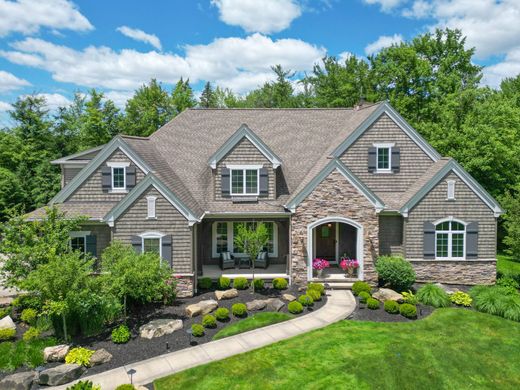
<point>227,260</point>
<point>262,260</point>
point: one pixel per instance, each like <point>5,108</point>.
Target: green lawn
<point>14,354</point>
<point>507,266</point>
<point>451,349</point>
<point>256,321</point>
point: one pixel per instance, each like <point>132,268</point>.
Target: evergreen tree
<point>208,98</point>
<point>182,96</point>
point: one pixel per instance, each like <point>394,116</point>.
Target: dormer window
<point>244,180</point>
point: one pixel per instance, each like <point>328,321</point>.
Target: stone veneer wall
<point>456,272</point>
<point>334,197</point>
<point>185,286</point>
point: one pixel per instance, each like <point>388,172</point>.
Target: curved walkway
<point>340,304</point>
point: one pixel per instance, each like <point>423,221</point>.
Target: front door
<point>326,242</point>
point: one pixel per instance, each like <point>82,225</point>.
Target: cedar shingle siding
<point>69,173</point>
<point>391,235</point>
<point>169,220</point>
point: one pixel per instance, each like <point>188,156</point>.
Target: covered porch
<point>272,272</point>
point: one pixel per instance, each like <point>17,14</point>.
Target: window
<point>78,244</point>
<point>118,178</point>
<point>383,157</point>
<point>244,180</point>
<point>451,190</point>
<point>152,245</point>
<point>224,233</point>
<point>150,202</point>
<point>449,240</point>
<point>222,237</point>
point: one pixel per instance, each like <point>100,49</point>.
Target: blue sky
<point>57,47</point>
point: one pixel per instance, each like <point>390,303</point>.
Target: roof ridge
<point>134,137</point>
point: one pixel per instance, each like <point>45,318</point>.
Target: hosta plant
<point>461,298</point>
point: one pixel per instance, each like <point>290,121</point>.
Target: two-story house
<point>326,182</point>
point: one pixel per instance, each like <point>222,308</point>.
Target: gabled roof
<point>75,158</point>
<point>143,185</point>
<point>244,132</point>
<point>386,108</point>
<point>117,142</point>
<point>94,211</point>
<point>335,164</point>
<point>451,166</point>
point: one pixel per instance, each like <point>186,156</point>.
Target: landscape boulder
<point>257,304</point>
<point>56,353</point>
<point>101,356</point>
<point>226,294</point>
<point>274,304</point>
<point>160,327</point>
<point>447,290</point>
<point>61,374</point>
<point>288,297</point>
<point>7,323</point>
<point>18,381</point>
<point>386,294</point>
<point>203,307</point>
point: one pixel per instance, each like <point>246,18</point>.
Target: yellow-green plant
<point>409,297</point>
<point>461,298</point>
<point>79,356</point>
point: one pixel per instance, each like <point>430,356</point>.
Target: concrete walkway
<point>340,304</point>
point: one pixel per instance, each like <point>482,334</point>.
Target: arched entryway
<point>331,238</point>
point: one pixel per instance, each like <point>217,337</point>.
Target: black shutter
<point>130,177</point>
<point>264,182</point>
<point>429,240</point>
<point>90,243</point>
<point>372,159</point>
<point>396,160</point>
<point>106,178</point>
<point>472,240</point>
<point>166,251</point>
<point>225,182</point>
<point>137,244</point>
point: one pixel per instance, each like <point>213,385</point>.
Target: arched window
<point>450,238</point>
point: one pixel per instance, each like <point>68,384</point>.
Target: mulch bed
<point>363,313</point>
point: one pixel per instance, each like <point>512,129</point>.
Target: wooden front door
<point>326,241</point>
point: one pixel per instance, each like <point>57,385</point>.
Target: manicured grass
<point>507,266</point>
<point>451,349</point>
<point>256,321</point>
<point>18,353</point>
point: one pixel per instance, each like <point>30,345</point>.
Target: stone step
<point>338,285</point>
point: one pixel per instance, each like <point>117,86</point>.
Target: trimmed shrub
<point>363,296</point>
<point>295,307</point>
<point>197,330</point>
<point>305,300</point>
<point>409,297</point>
<point>259,284</point>
<point>461,298</point>
<point>408,311</point>
<point>316,286</point>
<point>372,303</point>
<point>359,287</point>
<point>79,356</point>
<point>126,386</point>
<point>205,283</point>
<point>29,316</point>
<point>314,294</point>
<point>222,314</point>
<point>239,310</point>
<point>280,283</point>
<point>87,385</point>
<point>240,283</point>
<point>31,334</point>
<point>396,272</point>
<point>224,283</point>
<point>208,321</point>
<point>6,311</point>
<point>7,334</point>
<point>120,335</point>
<point>391,307</point>
<point>433,295</point>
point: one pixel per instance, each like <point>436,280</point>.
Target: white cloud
<point>420,9</point>
<point>510,67</point>
<point>344,56</point>
<point>386,5</point>
<point>53,100</point>
<point>119,97</point>
<point>28,16</point>
<point>9,82</point>
<point>266,16</point>
<point>238,62</point>
<point>382,42</point>
<point>5,106</point>
<point>140,35</point>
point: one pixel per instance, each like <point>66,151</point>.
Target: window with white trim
<point>118,175</point>
<point>451,189</point>
<point>244,181</point>
<point>450,239</point>
<point>150,203</point>
<point>383,157</point>
<point>78,241</point>
<point>224,232</point>
<point>151,242</point>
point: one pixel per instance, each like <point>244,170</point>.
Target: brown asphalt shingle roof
<point>95,211</point>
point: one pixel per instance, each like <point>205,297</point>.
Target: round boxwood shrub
<point>372,303</point>
<point>7,334</point>
<point>359,287</point>
<point>280,283</point>
<point>205,283</point>
<point>29,316</point>
<point>121,334</point>
<point>208,321</point>
<point>396,272</point>
<point>305,300</point>
<point>314,294</point>
<point>391,307</point>
<point>31,334</point>
<point>126,386</point>
<point>197,330</point>
<point>316,286</point>
<point>222,314</point>
<point>258,284</point>
<point>295,307</point>
<point>223,283</point>
<point>239,310</point>
<point>363,296</point>
<point>408,311</point>
<point>433,295</point>
<point>240,283</point>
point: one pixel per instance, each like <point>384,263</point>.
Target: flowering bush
<point>347,264</point>
<point>319,264</point>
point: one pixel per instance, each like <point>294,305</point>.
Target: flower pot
<point>319,273</point>
<point>350,272</point>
